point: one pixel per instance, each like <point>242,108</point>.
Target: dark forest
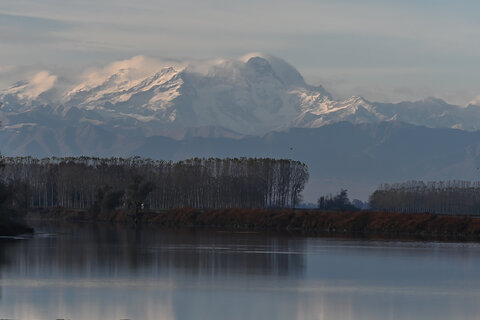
<point>80,182</point>
<point>443,197</point>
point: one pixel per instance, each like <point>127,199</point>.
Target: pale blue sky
<point>383,50</point>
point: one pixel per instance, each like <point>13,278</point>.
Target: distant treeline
<point>449,197</point>
<point>77,182</point>
<point>338,202</point>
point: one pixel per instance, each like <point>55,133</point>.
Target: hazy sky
<point>384,50</point>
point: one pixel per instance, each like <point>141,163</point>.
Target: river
<point>100,271</point>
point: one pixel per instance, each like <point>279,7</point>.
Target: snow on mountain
<point>26,93</point>
<point>318,111</point>
<point>251,95</point>
<point>119,94</point>
<point>430,112</point>
<point>225,107</point>
<point>33,87</point>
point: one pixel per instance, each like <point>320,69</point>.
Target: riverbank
<point>10,227</point>
<point>307,222</point>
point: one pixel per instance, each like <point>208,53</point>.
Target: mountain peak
<point>433,100</point>
<point>283,70</point>
<point>357,100</point>
<point>260,65</point>
<point>251,95</point>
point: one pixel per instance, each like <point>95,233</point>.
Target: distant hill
<point>341,155</point>
<point>256,106</point>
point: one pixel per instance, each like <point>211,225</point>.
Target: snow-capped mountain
<point>258,105</point>
<point>252,95</point>
<point>431,112</point>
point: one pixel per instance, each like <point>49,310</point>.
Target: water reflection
<point>5,258</point>
<point>80,250</point>
<point>88,271</point>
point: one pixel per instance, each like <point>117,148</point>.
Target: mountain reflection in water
<point>97,271</point>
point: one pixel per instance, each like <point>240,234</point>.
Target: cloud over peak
<point>476,101</point>
<point>125,71</point>
<point>34,86</point>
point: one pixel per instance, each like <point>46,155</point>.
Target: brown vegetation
<point>320,222</point>
<point>308,221</point>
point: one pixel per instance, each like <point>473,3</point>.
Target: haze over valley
<point>255,106</point>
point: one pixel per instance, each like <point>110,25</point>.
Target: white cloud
<point>137,68</point>
<point>476,101</point>
<point>35,85</point>
<point>39,83</point>
<point>127,71</point>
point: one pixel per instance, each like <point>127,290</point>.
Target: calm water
<point>88,271</point>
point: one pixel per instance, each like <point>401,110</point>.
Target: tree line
<point>86,182</point>
<point>337,202</point>
<point>443,197</point>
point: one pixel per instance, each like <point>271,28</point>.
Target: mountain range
<point>258,105</point>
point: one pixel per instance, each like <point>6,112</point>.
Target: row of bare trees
<point>75,182</point>
<point>444,197</point>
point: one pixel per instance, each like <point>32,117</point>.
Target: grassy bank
<point>308,222</point>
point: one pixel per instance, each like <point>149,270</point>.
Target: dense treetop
<point>448,197</point>
<point>76,182</point>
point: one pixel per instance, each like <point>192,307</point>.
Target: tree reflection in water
<point>101,271</point>
<point>5,258</point>
<point>109,250</point>
<point>139,268</point>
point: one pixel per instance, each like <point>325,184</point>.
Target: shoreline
<point>306,222</point>
<point>9,228</point>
